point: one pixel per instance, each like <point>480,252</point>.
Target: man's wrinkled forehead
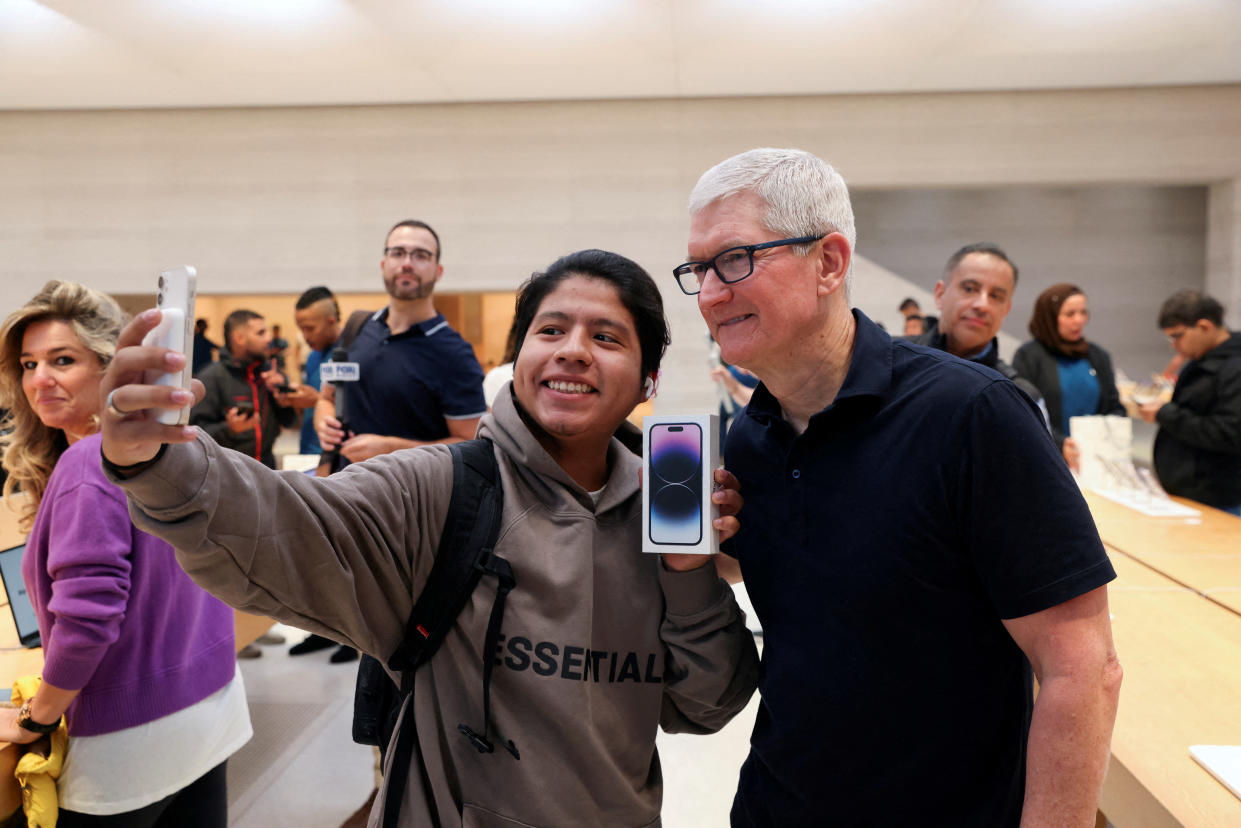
<point>972,265</point>
<point>727,222</point>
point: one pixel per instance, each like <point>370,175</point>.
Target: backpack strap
<point>352,325</point>
<point>465,547</point>
<point>465,554</point>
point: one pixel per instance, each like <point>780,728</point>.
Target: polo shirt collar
<point>428,327</point>
<point>869,376</point>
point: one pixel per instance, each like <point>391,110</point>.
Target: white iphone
<point>175,298</point>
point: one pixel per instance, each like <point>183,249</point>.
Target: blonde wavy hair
<point>31,449</point>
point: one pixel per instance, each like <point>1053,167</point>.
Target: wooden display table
<point>1176,619</point>
<point>1203,553</point>
<point>1180,654</point>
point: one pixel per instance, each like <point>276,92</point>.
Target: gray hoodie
<point>599,645</point>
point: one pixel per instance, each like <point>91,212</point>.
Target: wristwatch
<point>26,723</point>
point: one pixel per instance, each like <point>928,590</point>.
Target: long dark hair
<point>1045,320</point>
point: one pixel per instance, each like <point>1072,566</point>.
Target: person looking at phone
<point>1198,446</point>
<point>911,540</point>
<point>317,315</point>
<point>137,659</point>
<point>240,410</point>
<point>347,555</point>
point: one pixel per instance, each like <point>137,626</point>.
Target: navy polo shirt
<point>880,549</point>
<point>410,383</point>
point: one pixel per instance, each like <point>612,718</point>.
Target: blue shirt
<point>1079,389</point>
<point>881,548</point>
<point>310,376</point>
<point>410,383</point>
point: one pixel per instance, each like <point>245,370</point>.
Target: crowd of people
<point>863,503</point>
<point>1197,450</point>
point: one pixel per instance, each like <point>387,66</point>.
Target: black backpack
<point>465,554</point>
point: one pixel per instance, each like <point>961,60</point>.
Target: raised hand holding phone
<point>131,432</point>
<point>175,299</point>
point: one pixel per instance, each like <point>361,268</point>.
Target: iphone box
<point>680,454</point>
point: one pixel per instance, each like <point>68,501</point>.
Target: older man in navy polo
<point>910,537</point>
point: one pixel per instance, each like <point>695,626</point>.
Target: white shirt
<point>129,769</point>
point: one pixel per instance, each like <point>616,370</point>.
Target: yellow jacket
<point>37,774</point>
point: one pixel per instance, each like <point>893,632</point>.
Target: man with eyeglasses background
<point>1198,446</point>
<point>419,381</point>
<point>910,537</point>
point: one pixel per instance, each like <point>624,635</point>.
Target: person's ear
<point>835,257</point>
<point>938,293</point>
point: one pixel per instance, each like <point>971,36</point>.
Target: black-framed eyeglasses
<point>731,265</point>
<point>417,254</point>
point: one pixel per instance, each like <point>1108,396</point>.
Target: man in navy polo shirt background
<point>419,381</point>
<point>911,540</point>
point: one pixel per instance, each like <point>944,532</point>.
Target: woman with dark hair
<point>1074,375</point>
<point>137,659</point>
<point>602,644</point>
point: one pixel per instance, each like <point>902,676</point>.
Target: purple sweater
<point>119,619</point>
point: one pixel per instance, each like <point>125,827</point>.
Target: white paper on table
<point>1221,761</point>
<point>1103,442</point>
<point>1147,504</point>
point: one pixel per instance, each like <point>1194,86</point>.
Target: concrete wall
<point>273,200</point>
<point>1127,247</point>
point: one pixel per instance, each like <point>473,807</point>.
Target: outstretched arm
<point>341,557</point>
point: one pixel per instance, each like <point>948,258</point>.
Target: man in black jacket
<point>1198,447</point>
<point>974,299</point>
<point>239,410</point>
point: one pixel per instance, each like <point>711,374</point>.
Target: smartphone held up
<point>681,453</point>
<point>175,300</point>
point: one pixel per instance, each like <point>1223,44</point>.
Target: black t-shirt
<point>881,549</point>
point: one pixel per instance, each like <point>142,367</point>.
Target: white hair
<point>803,194</point>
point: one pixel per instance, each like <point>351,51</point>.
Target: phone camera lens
<point>161,282</point>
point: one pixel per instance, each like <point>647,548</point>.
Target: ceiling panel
<point>68,54</point>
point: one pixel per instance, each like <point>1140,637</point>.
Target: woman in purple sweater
<point>137,659</point>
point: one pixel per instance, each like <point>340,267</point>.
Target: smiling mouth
<point>736,319</point>
<point>569,387</point>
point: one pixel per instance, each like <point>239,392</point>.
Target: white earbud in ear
<point>648,389</point>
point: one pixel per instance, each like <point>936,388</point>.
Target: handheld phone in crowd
<point>175,299</point>
<point>677,510</point>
